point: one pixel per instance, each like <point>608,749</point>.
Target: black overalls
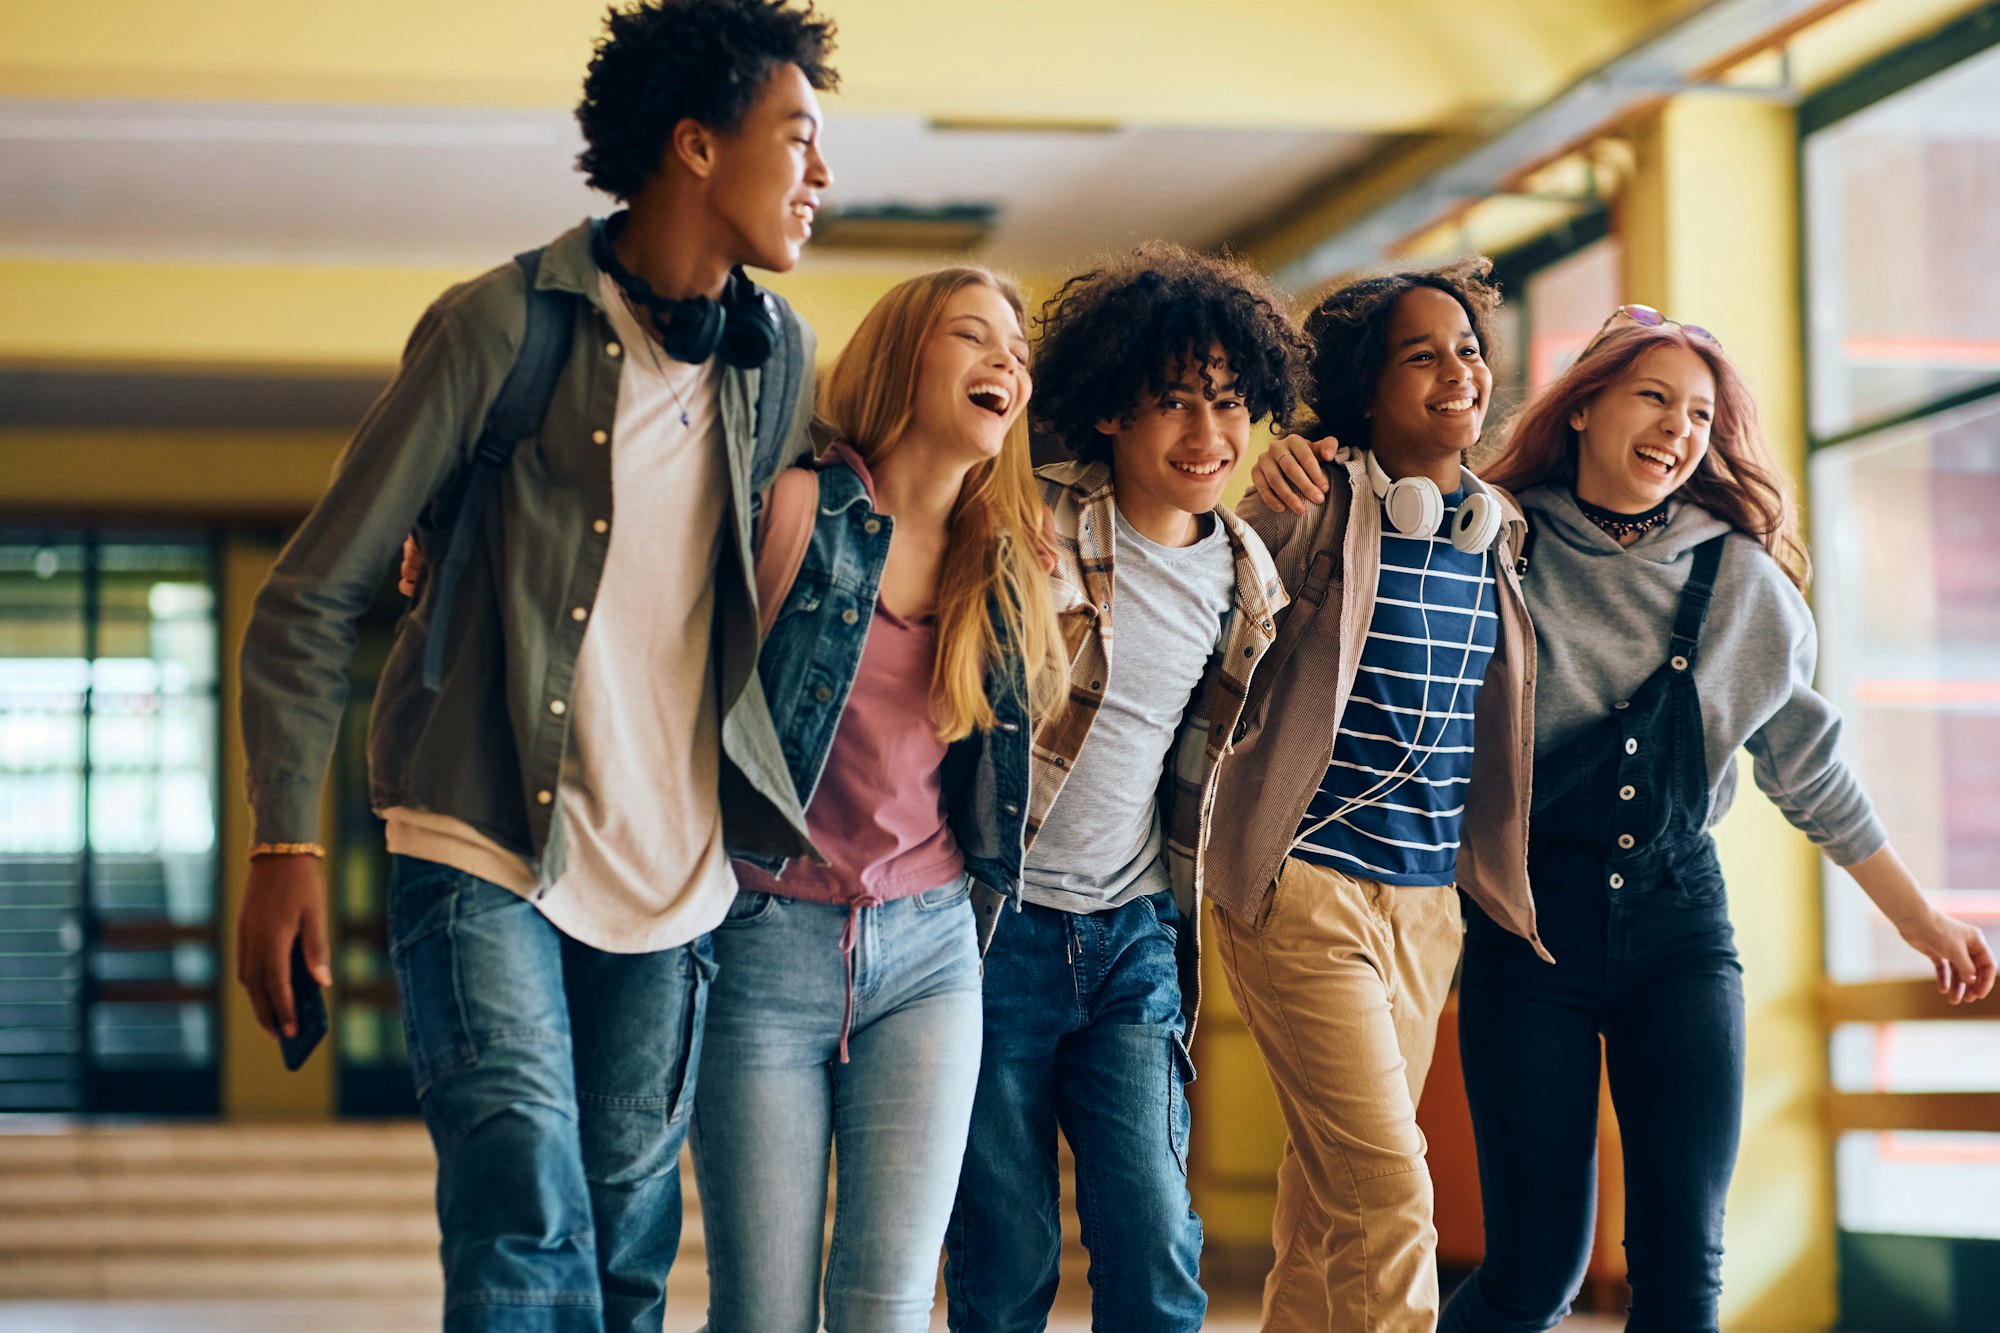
<point>1629,900</point>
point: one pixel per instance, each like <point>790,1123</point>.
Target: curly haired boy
<point>1152,370</point>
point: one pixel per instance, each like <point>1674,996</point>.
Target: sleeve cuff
<point>285,811</point>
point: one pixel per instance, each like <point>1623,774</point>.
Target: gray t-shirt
<point>1100,845</point>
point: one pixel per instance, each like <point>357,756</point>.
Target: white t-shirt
<point>1099,847</point>
<point>646,866</point>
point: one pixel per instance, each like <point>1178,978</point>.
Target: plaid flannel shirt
<point>1080,498</point>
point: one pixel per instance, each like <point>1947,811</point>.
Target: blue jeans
<point>1083,1030</point>
<point>557,1081</point>
<point>775,1098</point>
<point>1651,968</point>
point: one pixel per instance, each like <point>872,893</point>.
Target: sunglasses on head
<point>1647,317</point>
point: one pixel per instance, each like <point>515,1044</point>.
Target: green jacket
<point>489,745</point>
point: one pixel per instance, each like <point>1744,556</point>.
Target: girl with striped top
<point>1354,787</point>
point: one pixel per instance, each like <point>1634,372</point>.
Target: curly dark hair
<point>663,61</point>
<point>1113,333</point>
<point>1349,329</point>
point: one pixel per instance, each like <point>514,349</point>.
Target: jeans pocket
<point>701,981</point>
<point>422,895</point>
<point>423,953</point>
<point>750,907</point>
<point>945,895</point>
<point>1180,1073</point>
<point>1697,877</point>
<point>1167,914</point>
<point>633,1134</point>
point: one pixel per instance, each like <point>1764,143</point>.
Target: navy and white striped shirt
<point>1407,754</point>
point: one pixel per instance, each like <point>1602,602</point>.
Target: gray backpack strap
<point>777,399</point>
<point>516,414</point>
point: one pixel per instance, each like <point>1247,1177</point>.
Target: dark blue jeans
<point>557,1082</point>
<point>1650,965</point>
<point>1083,1030</point>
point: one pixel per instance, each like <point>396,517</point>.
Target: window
<point>108,768</point>
<point>1901,181</point>
<point>1901,204</point>
<point>1558,291</point>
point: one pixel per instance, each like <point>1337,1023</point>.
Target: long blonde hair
<point>992,598</point>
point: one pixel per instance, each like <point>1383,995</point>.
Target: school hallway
<point>405,1316</point>
<point>203,1228</point>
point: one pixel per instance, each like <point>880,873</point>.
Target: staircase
<point>255,1211</point>
<point>210,1210</point>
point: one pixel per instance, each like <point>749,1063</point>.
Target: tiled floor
<point>362,1316</point>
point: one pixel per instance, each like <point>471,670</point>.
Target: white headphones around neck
<point>1416,509</point>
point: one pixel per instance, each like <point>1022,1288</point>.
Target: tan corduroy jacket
<point>1330,559</point>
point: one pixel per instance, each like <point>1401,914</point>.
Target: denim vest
<point>813,653</point>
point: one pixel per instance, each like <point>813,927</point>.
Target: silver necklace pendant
<point>659,363</point>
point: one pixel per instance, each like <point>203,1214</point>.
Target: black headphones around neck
<point>741,328</point>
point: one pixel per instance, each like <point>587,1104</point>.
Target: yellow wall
<point>300,319</point>
<point>1710,231</point>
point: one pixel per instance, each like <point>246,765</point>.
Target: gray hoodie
<point>1603,615</point>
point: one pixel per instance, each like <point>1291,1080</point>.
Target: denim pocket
<point>945,895</point>
<point>702,979</point>
<point>1697,877</point>
<point>633,1133</point>
<point>1180,1073</point>
<point>1167,914</point>
<point>750,907</point>
<point>420,900</point>
<point>435,1026</point>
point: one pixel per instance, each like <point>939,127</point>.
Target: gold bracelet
<point>288,849</point>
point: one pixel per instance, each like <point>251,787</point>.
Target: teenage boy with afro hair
<point>570,716</point>
<point>1151,370</point>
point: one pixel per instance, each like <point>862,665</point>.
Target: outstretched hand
<point>1288,475</point>
<point>1959,955</point>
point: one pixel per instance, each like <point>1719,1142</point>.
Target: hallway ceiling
<point>295,183</point>
<point>416,132</point>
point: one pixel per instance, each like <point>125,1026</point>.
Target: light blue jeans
<point>774,1099</point>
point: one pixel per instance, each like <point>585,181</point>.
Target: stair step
<point>84,1190</point>
<point>292,1278</point>
<point>231,1148</point>
<point>240,1211</point>
<point>301,1233</point>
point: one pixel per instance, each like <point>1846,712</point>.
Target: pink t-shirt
<point>878,812</point>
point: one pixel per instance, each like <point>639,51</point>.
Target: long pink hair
<point>1737,480</point>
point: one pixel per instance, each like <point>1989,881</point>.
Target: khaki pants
<point>1341,984</point>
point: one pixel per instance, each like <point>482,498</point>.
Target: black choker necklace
<point>1623,525</point>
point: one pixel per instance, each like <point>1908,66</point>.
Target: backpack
<point>523,401</point>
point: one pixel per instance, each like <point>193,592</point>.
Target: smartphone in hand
<point>308,1009</point>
